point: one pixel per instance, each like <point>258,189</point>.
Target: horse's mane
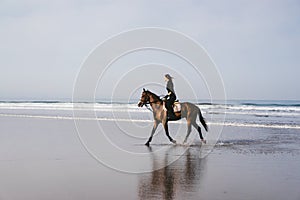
<point>154,95</point>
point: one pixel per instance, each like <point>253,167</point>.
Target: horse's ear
<point>144,90</point>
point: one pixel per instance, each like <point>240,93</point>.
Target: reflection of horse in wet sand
<point>177,180</point>
<point>188,111</point>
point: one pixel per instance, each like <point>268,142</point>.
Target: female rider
<point>170,97</point>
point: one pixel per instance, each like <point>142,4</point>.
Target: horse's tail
<point>202,120</point>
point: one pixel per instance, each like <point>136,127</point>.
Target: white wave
<point>277,111</point>
<point>263,108</point>
<point>72,118</point>
<point>70,107</point>
<point>276,126</point>
<point>275,114</point>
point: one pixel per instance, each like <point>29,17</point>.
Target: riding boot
<point>171,115</point>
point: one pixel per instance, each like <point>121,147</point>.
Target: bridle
<point>145,103</point>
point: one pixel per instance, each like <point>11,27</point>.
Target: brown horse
<point>188,111</point>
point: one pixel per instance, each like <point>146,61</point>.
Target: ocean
<point>268,114</point>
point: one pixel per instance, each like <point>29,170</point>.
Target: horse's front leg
<point>152,133</point>
<point>167,132</point>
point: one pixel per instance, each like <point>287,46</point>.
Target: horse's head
<point>145,98</point>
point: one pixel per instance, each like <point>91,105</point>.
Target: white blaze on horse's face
<point>140,103</point>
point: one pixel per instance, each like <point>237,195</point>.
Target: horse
<point>188,111</point>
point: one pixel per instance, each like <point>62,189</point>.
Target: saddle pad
<point>177,107</point>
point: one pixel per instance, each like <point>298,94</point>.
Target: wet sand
<point>44,159</point>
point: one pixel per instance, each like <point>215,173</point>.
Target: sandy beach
<point>44,159</point>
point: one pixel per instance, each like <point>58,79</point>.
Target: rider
<point>170,97</point>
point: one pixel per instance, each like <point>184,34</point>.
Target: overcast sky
<point>255,44</point>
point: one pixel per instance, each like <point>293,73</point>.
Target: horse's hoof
<point>204,141</point>
<point>147,144</point>
<point>173,141</point>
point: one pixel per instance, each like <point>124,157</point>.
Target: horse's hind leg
<point>189,129</point>
<point>167,132</point>
<point>199,131</point>
<point>152,133</point>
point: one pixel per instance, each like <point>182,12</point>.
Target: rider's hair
<point>168,76</point>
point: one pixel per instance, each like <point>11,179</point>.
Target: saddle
<point>176,106</point>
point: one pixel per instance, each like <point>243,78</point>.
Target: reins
<point>146,105</point>
<point>149,102</point>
